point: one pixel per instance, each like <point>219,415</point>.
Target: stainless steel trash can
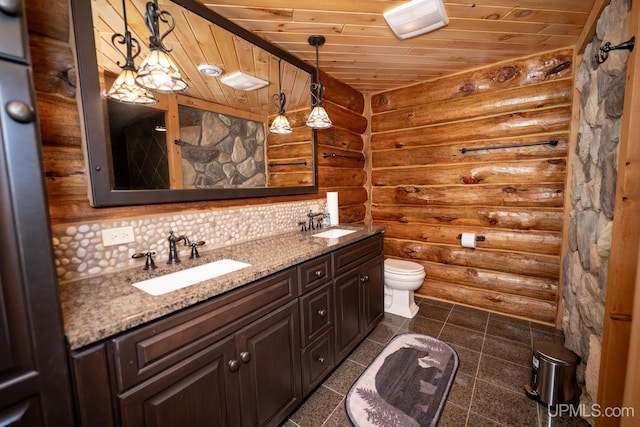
<point>553,374</point>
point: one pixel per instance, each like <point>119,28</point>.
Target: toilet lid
<point>401,266</point>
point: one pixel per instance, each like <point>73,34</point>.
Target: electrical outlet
<point>117,236</point>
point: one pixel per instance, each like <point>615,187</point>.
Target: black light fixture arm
<point>279,98</point>
<point>317,92</point>
<point>606,48</point>
<point>153,17</point>
<point>131,45</point>
<point>317,88</point>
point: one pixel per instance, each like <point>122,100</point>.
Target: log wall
<point>66,177</point>
<point>426,191</point>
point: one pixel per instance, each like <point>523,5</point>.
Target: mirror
<point>211,142</point>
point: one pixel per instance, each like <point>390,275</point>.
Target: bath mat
<point>406,385</point>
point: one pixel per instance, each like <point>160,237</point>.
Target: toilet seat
<point>398,266</point>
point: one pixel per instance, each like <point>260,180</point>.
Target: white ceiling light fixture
<point>209,70</point>
<point>416,17</point>
<point>242,81</point>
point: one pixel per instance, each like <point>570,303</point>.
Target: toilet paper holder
<point>478,238</point>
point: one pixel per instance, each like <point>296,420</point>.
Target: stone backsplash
<point>593,185</point>
<point>79,252</point>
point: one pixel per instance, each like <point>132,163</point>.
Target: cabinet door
<point>270,371</point>
<point>200,391</point>
<point>372,281</point>
<point>348,294</point>
<point>34,379</point>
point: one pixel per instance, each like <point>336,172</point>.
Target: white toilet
<point>401,278</point>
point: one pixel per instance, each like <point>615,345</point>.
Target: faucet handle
<point>149,264</point>
<point>194,249</point>
<point>303,226</point>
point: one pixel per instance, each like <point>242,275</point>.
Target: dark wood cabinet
<point>199,391</point>
<point>269,352</point>
<point>359,293</point>
<point>372,282</point>
<point>35,388</point>
<point>246,358</point>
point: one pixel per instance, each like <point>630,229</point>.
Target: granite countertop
<point>99,307</point>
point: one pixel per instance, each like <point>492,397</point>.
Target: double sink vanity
<point>262,324</point>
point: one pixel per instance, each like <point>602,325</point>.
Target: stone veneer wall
<point>79,251</point>
<point>594,171</point>
<point>220,150</point>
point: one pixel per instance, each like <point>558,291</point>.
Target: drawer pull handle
<point>318,274</point>
<point>245,356</point>
<point>321,360</point>
<point>364,278</point>
<point>234,365</point>
<point>322,312</point>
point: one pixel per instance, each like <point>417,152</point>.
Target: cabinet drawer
<point>315,272</point>
<point>351,256</point>
<point>152,348</point>
<point>317,361</point>
<point>316,313</point>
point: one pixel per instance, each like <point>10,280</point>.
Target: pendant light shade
<point>158,71</point>
<point>124,88</point>
<point>318,119</point>
<point>280,124</point>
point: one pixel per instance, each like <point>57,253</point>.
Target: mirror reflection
<point>212,136</point>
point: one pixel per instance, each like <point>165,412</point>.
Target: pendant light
<point>124,88</point>
<point>280,124</point>
<point>158,71</point>
<point>318,119</point>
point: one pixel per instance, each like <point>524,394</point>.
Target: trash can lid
<point>556,353</point>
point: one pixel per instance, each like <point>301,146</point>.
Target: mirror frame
<point>98,155</point>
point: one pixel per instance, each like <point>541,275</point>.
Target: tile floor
<point>495,363</point>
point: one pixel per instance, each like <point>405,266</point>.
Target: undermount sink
<point>181,279</point>
<point>334,233</point>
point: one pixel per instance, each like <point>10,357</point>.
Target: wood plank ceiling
<point>362,51</point>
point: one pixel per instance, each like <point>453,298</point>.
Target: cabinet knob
<point>322,312</point>
<point>318,274</point>
<point>364,278</point>
<point>20,111</point>
<point>321,360</point>
<point>245,356</point>
<point>234,365</point>
<point>10,7</point>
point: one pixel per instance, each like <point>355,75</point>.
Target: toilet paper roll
<point>468,240</point>
<point>332,207</point>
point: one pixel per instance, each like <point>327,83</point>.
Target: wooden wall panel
<point>64,165</point>
<point>427,190</point>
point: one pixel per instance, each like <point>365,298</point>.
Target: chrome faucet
<point>173,253</point>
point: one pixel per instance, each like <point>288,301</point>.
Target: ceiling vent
<point>416,17</point>
<point>242,81</point>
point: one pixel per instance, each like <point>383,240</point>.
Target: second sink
<point>334,233</point>
<point>181,279</point>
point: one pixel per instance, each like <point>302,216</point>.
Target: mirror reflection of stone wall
<point>220,150</point>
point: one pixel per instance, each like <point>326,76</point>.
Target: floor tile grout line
<point>332,412</point>
<point>475,379</point>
